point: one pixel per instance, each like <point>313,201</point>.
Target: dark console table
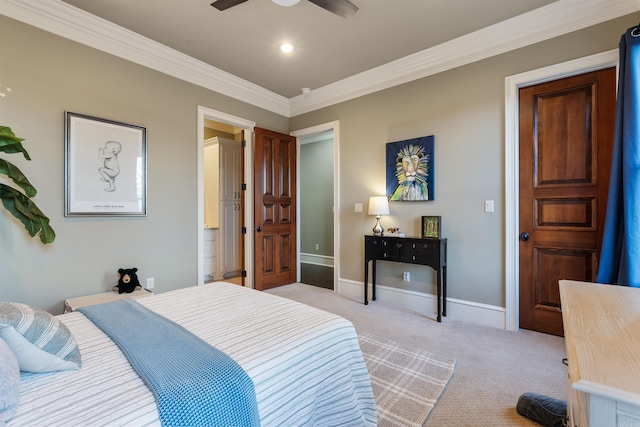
<point>410,250</point>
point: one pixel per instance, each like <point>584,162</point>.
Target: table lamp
<point>378,205</point>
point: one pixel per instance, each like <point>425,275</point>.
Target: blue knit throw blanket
<point>194,383</point>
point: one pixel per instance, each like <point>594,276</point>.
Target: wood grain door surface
<point>275,209</point>
<point>566,139</point>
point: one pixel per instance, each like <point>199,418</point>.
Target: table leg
<point>444,290</point>
<point>373,280</point>
<point>439,292</point>
<point>366,281</point>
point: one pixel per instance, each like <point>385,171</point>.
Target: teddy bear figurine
<point>128,281</point>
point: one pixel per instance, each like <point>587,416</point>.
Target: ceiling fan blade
<point>226,4</point>
<point>343,8</point>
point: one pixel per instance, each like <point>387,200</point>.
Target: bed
<point>305,364</point>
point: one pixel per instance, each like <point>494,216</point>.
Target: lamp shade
<point>378,205</point>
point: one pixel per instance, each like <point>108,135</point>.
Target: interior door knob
<point>259,229</point>
<point>524,236</point>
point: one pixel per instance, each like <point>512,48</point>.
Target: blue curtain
<point>620,256</point>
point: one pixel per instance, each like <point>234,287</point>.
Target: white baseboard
<point>426,304</point>
<point>316,259</point>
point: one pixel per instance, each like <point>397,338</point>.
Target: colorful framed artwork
<point>431,226</point>
<point>410,169</point>
<point>105,167</point>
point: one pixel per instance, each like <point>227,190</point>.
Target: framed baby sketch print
<point>105,167</point>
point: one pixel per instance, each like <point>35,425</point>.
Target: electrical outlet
<point>150,283</point>
<point>406,276</point>
<point>317,247</point>
<point>358,207</point>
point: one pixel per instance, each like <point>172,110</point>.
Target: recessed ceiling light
<point>286,47</point>
<point>286,2</point>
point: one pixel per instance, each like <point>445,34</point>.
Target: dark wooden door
<point>566,140</point>
<point>243,234</point>
<point>275,209</point>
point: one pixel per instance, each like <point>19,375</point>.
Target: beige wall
<point>464,109</point>
<point>48,75</point>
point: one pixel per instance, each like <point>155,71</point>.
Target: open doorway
<point>318,205</point>
<point>223,213</point>
<point>223,203</point>
<point>316,209</point>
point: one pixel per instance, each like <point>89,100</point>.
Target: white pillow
<point>9,383</point>
<point>40,342</point>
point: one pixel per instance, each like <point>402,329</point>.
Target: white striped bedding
<point>305,363</point>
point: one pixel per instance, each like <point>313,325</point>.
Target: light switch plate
<point>489,206</point>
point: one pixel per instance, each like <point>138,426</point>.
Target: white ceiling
<point>244,39</point>
<point>234,52</point>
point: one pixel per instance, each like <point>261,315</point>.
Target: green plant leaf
<point>28,213</point>
<point>18,204</point>
<point>47,235</point>
<point>10,143</point>
<point>18,177</point>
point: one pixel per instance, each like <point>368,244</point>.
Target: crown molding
<point>555,19</point>
<point>541,24</point>
<point>75,24</point>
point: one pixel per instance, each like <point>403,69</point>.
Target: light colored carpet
<point>406,382</point>
<point>493,366</point>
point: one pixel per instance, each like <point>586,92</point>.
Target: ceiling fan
<point>342,8</point>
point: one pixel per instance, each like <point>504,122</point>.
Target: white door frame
<point>512,232</point>
<point>335,126</point>
<point>248,127</point>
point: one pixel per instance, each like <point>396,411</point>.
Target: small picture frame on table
<point>431,227</point>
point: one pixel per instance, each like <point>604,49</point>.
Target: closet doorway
<point>223,166</point>
<point>317,199</point>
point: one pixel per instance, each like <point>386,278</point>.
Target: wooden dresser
<point>602,335</point>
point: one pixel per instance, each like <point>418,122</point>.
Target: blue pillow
<point>40,342</point>
<point>9,383</point>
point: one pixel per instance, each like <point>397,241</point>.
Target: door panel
<point>566,139</point>
<point>275,209</point>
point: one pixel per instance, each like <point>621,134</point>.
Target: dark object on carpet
<point>316,275</point>
<point>544,410</point>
